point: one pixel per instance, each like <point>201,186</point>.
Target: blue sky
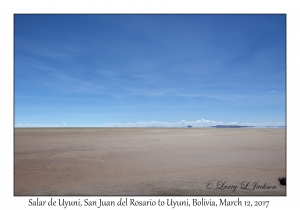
<point>149,70</point>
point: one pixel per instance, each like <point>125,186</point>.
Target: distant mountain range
<point>240,126</point>
<point>231,126</point>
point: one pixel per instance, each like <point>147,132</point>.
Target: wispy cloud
<point>53,49</point>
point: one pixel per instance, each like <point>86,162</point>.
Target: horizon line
<point>225,126</point>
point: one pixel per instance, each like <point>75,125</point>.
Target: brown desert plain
<point>149,161</point>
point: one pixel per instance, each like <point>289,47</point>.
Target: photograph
<point>149,105</point>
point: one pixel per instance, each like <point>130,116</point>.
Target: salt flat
<point>149,161</point>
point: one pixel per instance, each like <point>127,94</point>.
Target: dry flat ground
<point>149,161</point>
